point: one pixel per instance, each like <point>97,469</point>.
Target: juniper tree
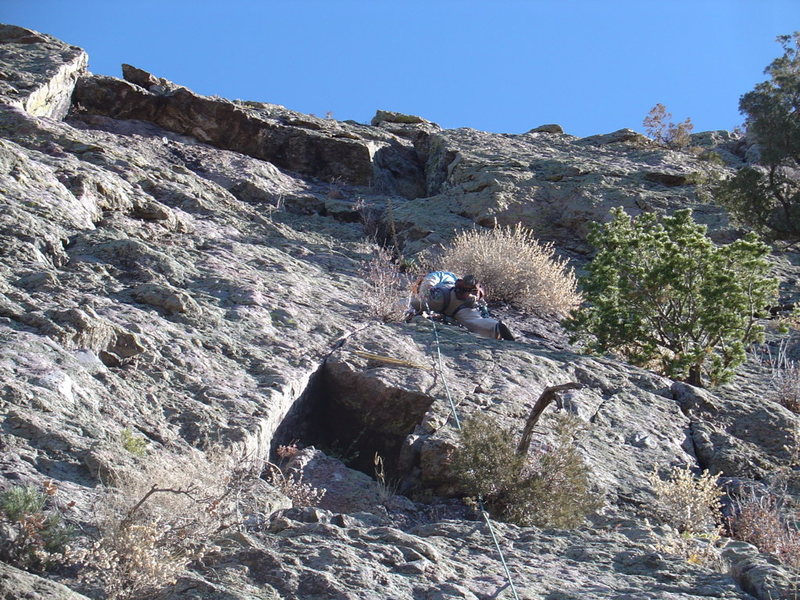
<point>766,197</point>
<point>661,294</point>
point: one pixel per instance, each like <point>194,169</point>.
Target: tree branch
<point>548,395</point>
<point>155,490</point>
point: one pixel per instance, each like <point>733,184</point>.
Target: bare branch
<point>548,395</point>
<point>156,490</point>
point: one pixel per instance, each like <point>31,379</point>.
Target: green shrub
<point>661,294</point>
<point>767,198</point>
<point>711,156</point>
<point>37,537</point>
<point>547,489</point>
<point>134,444</point>
<point>513,267</point>
<point>19,501</point>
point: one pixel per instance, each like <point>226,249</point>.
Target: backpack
<point>436,288</point>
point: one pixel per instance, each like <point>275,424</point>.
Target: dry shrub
<point>692,506</point>
<point>156,522</point>
<point>786,386</point>
<point>289,479</point>
<point>548,489</point>
<point>370,216</point>
<point>387,291</point>
<point>760,521</point>
<point>659,126</point>
<point>688,503</point>
<point>513,267</point>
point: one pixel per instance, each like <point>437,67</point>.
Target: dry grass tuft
<point>784,380</point>
<point>513,267</point>
<point>786,386</point>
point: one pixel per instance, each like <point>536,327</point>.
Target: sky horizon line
<point>591,67</point>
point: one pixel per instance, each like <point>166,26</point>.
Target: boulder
<point>44,86</point>
<point>555,185</point>
<point>387,116</point>
<point>549,128</point>
<point>226,125</point>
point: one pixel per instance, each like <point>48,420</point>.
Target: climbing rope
<point>457,421</point>
<point>444,379</point>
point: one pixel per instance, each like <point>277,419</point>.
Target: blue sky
<point>499,65</point>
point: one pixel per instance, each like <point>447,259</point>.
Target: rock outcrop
<point>189,269</point>
<point>37,72</point>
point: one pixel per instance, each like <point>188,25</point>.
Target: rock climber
<point>459,299</point>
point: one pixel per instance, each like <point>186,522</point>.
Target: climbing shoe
<point>505,332</point>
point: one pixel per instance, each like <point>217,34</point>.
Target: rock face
<point>553,183</point>
<point>188,270</point>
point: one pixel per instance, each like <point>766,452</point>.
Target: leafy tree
<point>767,197</point>
<point>663,295</point>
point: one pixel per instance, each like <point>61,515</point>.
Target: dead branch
<point>156,490</point>
<point>548,395</point>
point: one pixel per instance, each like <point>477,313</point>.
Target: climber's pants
<point>483,326</point>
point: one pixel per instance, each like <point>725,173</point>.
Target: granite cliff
<point>187,271</point>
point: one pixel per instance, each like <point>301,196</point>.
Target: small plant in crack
<point>288,478</point>
<point>386,488</point>
<point>278,206</point>
<point>345,453</point>
<point>136,445</point>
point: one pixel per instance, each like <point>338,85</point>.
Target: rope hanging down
<point>484,514</point>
